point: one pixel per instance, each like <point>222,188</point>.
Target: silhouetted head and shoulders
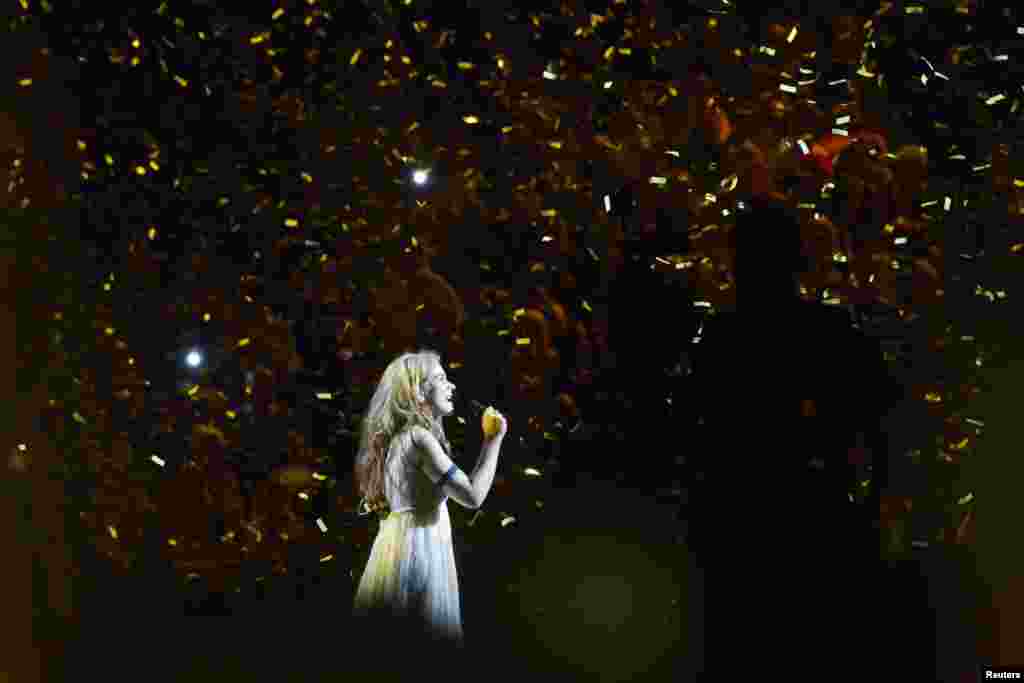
<point>770,314</point>
<point>781,380</point>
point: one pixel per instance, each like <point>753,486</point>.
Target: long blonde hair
<point>393,408</point>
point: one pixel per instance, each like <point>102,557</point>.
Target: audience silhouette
<point>792,395</point>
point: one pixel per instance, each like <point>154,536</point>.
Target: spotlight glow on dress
<point>193,359</point>
<point>420,177</point>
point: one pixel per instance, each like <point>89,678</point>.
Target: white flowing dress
<point>410,587</point>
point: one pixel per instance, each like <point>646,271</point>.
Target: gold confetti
<point>470,119</point>
<point>355,56</point>
<point>244,342</point>
<point>181,81</point>
<point>25,82</point>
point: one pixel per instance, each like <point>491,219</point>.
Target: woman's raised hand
<point>493,423</point>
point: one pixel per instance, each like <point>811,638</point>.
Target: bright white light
<point>193,359</point>
<point>420,177</point>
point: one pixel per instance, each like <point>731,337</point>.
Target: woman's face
<point>439,391</point>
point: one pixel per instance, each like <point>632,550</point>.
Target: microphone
<point>477,407</point>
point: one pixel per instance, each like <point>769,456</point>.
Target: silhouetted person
<point>652,321</point>
<point>791,564</point>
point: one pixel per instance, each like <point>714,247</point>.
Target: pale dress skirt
<point>409,590</point>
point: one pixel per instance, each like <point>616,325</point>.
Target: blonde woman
<point>409,590</point>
